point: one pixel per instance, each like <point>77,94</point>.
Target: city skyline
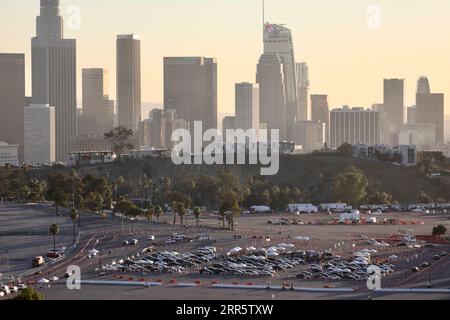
<point>352,56</point>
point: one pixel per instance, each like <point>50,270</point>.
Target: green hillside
<point>310,172</point>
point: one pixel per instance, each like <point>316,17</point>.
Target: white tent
<point>43,281</point>
<point>94,252</point>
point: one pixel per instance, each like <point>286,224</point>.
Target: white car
<point>151,238</point>
<point>2,294</point>
<point>5,289</point>
<point>14,289</point>
<point>22,286</point>
<point>170,242</point>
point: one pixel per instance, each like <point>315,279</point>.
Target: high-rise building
<point>12,100</point>
<point>98,115</point>
<point>247,106</point>
<point>190,87</point>
<point>303,112</point>
<point>9,153</point>
<point>354,126</point>
<point>423,86</point>
<point>320,112</point>
<point>40,134</point>
<point>422,135</point>
<point>156,131</point>
<point>228,123</point>
<point>393,107</point>
<point>128,81</point>
<point>272,95</point>
<point>54,74</point>
<point>310,135</point>
<point>411,114</point>
<point>278,40</point>
<point>430,109</point>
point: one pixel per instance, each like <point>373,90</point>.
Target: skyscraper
<point>430,109</point>
<point>423,86</point>
<point>54,74</point>
<point>411,113</point>
<point>40,139</point>
<point>393,107</point>
<point>98,115</point>
<point>320,112</point>
<point>12,100</point>
<point>247,106</point>
<point>272,95</point>
<point>190,87</point>
<point>128,81</point>
<point>303,112</point>
<point>278,40</point>
<point>310,135</point>
<point>354,126</point>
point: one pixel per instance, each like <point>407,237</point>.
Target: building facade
<point>310,135</point>
<point>247,106</point>
<point>422,135</point>
<point>190,87</point>
<point>354,126</point>
<point>128,81</point>
<point>272,94</point>
<point>12,100</point>
<point>278,41</point>
<point>40,134</point>
<point>393,108</point>
<point>430,109</point>
<point>54,74</point>
<point>320,112</point>
<point>98,115</point>
<point>9,153</point>
<point>303,112</point>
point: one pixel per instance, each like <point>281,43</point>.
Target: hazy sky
<point>347,59</point>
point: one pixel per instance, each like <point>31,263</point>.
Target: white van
<point>303,208</point>
<point>260,209</point>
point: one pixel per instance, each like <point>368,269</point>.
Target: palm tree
<point>174,211</point>
<point>158,212</point>
<point>181,211</point>
<point>150,213</point>
<point>74,216</point>
<point>119,181</point>
<point>79,203</point>
<point>54,230</point>
<point>197,215</point>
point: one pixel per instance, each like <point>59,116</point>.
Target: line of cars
<point>7,290</point>
<point>427,264</point>
<point>163,262</point>
<point>358,268</point>
<point>251,266</point>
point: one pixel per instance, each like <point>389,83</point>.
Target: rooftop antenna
<point>264,14</point>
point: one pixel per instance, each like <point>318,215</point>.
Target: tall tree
<point>158,213</point>
<point>54,231</point>
<point>350,186</point>
<point>197,213</point>
<point>74,216</point>
<point>120,139</point>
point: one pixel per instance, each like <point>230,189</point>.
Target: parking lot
<point>302,255</point>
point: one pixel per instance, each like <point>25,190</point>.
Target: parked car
<point>38,262</point>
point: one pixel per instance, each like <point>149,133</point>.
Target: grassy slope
<point>311,172</point>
